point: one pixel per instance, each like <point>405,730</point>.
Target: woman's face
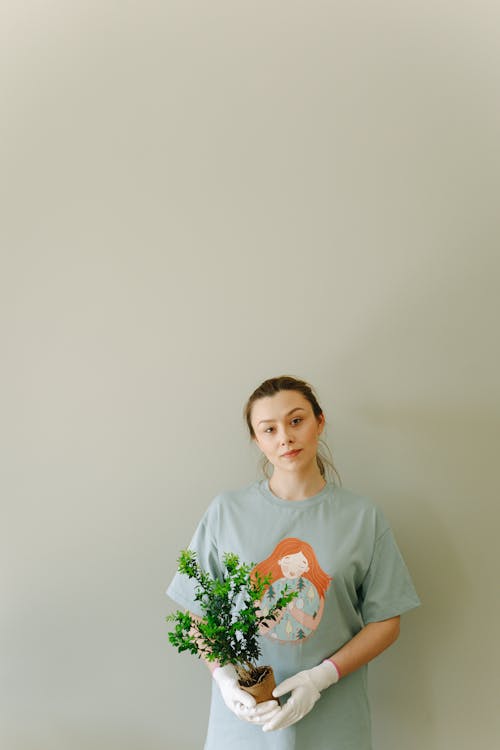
<point>285,422</point>
<point>293,566</point>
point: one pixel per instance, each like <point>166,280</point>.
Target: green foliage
<point>225,633</point>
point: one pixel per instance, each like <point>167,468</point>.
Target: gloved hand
<point>305,688</point>
<point>241,703</point>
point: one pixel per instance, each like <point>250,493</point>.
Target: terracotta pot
<point>263,689</point>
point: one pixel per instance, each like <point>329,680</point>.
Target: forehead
<point>277,406</point>
<point>293,554</point>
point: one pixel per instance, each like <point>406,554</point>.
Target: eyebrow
<point>297,408</point>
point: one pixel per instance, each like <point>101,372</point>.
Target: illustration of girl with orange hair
<point>293,564</point>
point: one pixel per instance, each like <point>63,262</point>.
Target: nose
<point>285,438</point>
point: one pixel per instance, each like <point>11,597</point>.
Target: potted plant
<point>228,630</point>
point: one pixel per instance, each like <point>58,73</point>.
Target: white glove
<point>305,688</point>
<point>241,703</point>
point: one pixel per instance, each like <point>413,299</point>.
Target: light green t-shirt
<point>338,551</point>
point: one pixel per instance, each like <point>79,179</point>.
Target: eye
<point>295,419</point>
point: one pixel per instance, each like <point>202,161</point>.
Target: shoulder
<point>361,509</point>
<point>234,499</point>
<point>350,500</point>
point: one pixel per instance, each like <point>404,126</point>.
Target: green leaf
<point>224,632</point>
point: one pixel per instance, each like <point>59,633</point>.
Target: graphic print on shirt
<point>293,563</point>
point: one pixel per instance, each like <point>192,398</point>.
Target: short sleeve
<point>182,589</point>
<point>387,589</point>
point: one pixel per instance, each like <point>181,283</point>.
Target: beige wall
<point>199,196</point>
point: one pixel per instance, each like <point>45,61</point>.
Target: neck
<point>290,486</point>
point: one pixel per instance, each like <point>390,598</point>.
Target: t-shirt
<point>338,552</point>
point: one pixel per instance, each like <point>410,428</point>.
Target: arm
<point>267,625</point>
<point>366,645</point>
<point>308,620</point>
<point>306,686</point>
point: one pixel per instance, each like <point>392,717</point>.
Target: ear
<point>321,424</point>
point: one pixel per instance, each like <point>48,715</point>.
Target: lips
<point>291,453</point>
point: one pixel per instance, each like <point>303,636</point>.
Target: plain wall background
<point>197,196</point>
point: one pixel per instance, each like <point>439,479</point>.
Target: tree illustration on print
<point>293,562</point>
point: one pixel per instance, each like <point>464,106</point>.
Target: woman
<point>337,549</point>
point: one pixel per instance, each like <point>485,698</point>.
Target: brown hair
<point>288,383</point>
